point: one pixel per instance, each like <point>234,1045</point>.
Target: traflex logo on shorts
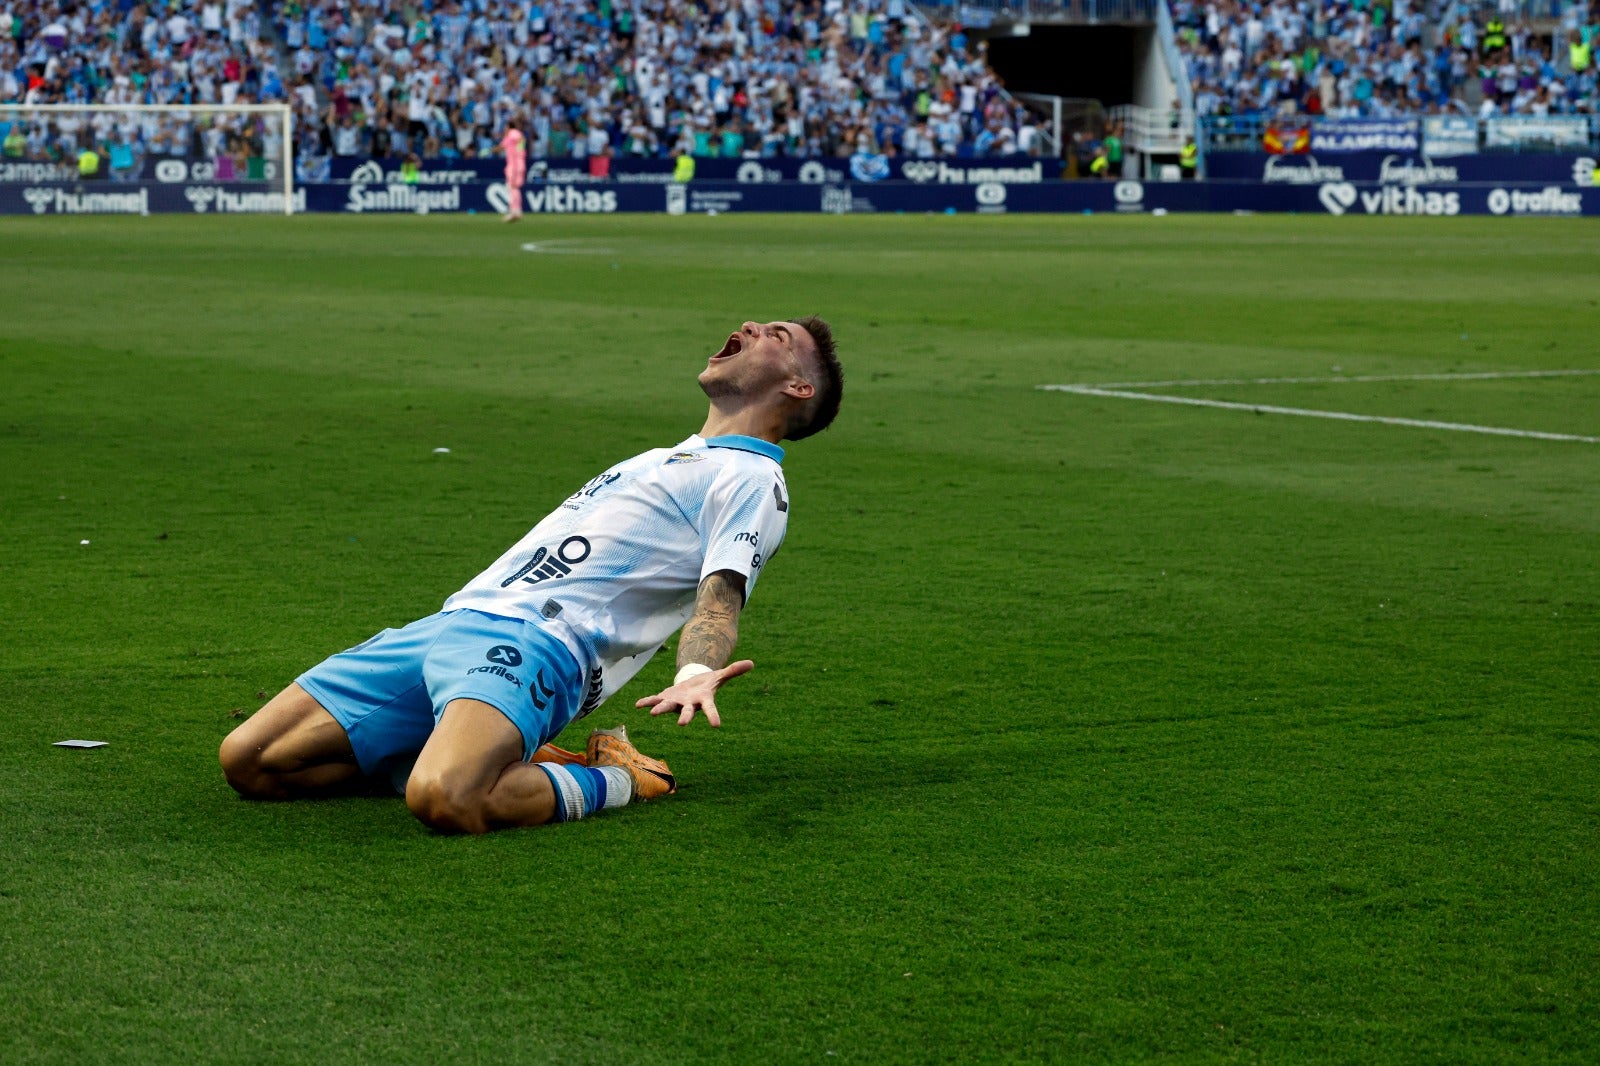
<point>501,657</point>
<point>504,655</point>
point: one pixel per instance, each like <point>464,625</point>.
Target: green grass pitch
<point>1082,729</point>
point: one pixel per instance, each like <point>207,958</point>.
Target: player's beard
<point>716,387</point>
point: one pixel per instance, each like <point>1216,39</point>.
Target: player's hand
<point>696,694</point>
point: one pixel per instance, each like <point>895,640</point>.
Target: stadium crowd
<point>710,78</point>
<point>442,78</point>
<point>1383,58</point>
<point>120,52</point>
<point>589,78</point>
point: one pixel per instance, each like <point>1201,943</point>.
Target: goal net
<point>223,158</point>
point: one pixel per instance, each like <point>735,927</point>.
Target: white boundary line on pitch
<point>1489,375</point>
<point>1342,416</point>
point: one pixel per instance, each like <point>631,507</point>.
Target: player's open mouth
<point>734,346</point>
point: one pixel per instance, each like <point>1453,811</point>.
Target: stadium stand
<point>723,77</point>
<point>110,52</point>
<point>715,78</point>
<point>118,52</point>
<point>1373,60</point>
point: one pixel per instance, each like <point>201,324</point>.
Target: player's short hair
<point>818,415</point>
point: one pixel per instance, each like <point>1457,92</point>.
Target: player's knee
<point>242,766</point>
<point>442,808</point>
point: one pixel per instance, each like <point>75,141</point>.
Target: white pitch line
<point>564,248</point>
<point>1342,416</point>
<point>1489,375</point>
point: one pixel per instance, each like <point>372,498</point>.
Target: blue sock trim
<point>599,780</point>
<point>580,790</point>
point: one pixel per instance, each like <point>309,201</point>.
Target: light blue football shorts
<point>390,691</point>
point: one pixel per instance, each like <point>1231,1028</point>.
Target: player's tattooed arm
<point>707,641</point>
<point>712,631</point>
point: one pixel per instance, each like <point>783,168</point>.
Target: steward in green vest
<point>1494,36</point>
<point>1189,160</point>
<point>1580,53</point>
<point>683,169</point>
<point>1114,154</point>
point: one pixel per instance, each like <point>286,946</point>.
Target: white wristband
<point>692,670</point>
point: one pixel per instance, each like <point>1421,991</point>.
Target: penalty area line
<point>1303,412</point>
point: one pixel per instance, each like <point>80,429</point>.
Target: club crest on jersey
<point>683,457</point>
<point>544,566</point>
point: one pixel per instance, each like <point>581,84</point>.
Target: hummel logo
<point>38,199</point>
<point>777,496</point>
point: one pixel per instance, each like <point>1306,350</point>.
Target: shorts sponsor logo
<point>505,655</point>
<point>546,566</point>
<point>496,671</point>
<point>1547,201</point>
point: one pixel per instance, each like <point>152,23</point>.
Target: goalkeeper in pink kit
<point>513,145</point>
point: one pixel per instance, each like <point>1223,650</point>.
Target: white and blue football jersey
<point>614,570</point>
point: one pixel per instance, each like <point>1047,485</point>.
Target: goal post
<point>244,143</point>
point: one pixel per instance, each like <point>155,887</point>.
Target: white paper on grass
<point>80,743</point>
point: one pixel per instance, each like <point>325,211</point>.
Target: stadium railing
<point>982,13</point>
<point>1495,134</point>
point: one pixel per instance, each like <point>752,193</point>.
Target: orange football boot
<point>652,778</point>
